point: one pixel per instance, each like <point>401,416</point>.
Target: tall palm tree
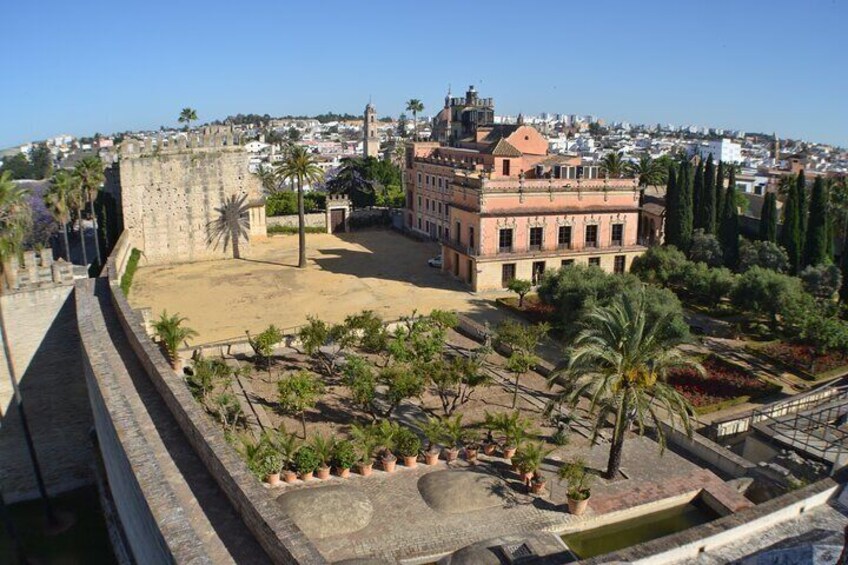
<point>57,199</point>
<point>648,171</point>
<point>77,207</point>
<point>612,165</point>
<point>89,171</point>
<point>301,166</point>
<point>268,178</point>
<point>14,217</point>
<point>414,105</point>
<point>187,115</point>
<point>620,362</point>
<point>231,225</point>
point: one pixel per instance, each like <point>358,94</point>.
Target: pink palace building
<point>503,208</point>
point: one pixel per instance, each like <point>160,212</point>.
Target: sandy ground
<point>377,270</point>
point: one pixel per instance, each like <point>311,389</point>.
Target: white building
<point>722,150</point>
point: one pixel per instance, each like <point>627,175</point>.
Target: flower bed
<point>724,385</point>
<point>805,358</point>
<point>534,310</point>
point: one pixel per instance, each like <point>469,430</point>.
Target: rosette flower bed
<point>534,310</point>
<point>725,384</point>
<point>805,357</point>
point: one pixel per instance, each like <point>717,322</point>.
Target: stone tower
<point>371,142</point>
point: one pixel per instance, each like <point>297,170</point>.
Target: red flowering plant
<point>722,382</point>
<point>806,357</point>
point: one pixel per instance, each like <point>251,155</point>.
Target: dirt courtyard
<point>377,270</point>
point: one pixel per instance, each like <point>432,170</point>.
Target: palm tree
<point>414,105</point>
<point>620,363</point>
<point>14,218</point>
<point>268,178</point>
<point>187,115</point>
<point>57,199</point>
<point>612,165</point>
<point>648,171</point>
<point>231,225</point>
<point>301,166</point>
<point>171,333</point>
<point>76,205</point>
<point>89,171</point>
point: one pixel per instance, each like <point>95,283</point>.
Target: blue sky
<point>755,65</point>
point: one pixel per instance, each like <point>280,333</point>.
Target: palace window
<point>507,274</point>
<point>594,261</point>
<point>505,241</point>
<point>535,239</point>
<point>617,235</point>
<point>538,271</point>
<point>564,240</point>
<point>618,264</point>
<point>591,235</point>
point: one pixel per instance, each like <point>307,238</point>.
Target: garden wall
<point>708,451</point>
<point>313,220</point>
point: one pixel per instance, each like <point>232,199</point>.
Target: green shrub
<point>285,203</point>
<point>344,454</point>
<point>407,443</point>
<point>129,272</point>
<point>291,230</point>
<point>306,460</point>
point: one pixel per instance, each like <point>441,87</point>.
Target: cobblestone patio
<point>404,526</point>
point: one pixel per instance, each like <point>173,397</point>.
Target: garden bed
<point>534,310</point>
<point>725,385</point>
<point>803,360</point>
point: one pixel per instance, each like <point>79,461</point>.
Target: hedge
<point>129,272</point>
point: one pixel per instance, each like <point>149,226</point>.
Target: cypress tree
<point>790,232</point>
<point>719,190</point>
<point>672,209</point>
<point>815,249</point>
<point>803,205</point>
<point>729,231</point>
<point>768,218</point>
<point>843,264</point>
<point>709,196</point>
<point>684,191</point>
<point>699,220</point>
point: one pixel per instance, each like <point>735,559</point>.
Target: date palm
<point>187,115</point>
<point>57,199</point>
<point>620,364</point>
<point>89,171</point>
<point>301,167</point>
<point>414,105</point>
<point>15,216</point>
<point>612,165</point>
<point>231,225</point>
<point>647,171</point>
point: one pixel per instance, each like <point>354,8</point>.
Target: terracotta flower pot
<point>578,507</point>
<point>431,457</point>
<point>509,452</point>
<point>526,477</point>
<point>471,454</point>
<point>343,472</point>
<point>451,454</point>
<point>389,462</point>
<point>410,461</point>
<point>365,469</point>
<point>306,476</point>
<point>537,486</point>
<point>323,472</point>
<point>289,476</point>
<point>273,479</point>
<point>176,363</point>
<point>489,448</point>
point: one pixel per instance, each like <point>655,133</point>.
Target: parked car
<point>435,262</point>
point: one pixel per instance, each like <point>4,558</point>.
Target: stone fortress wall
<point>170,190</point>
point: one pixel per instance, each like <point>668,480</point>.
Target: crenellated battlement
<point>39,270</point>
<point>211,138</point>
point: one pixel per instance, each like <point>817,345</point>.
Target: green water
<point>625,533</point>
<point>85,543</point>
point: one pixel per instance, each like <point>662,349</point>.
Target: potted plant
<point>344,456</point>
<point>306,461</point>
<point>365,443</point>
<point>454,435</point>
<point>386,433</point>
<point>171,334</point>
<point>407,445</point>
<point>490,424</point>
<point>579,481</point>
<point>471,446</point>
<point>537,484</point>
<point>529,459</point>
<point>323,447</point>
<point>434,431</point>
<point>515,430</point>
<point>286,445</point>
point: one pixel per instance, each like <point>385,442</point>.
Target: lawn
<point>724,385</point>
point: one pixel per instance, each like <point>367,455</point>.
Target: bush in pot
<point>454,435</point>
<point>386,432</point>
<point>578,480</point>
<point>407,445</point>
<point>365,443</point>
<point>528,460</point>
<point>490,424</point>
<point>434,431</point>
<point>286,445</point>
<point>171,333</point>
<point>515,430</point>
<point>344,456</point>
<point>323,447</point>
<point>270,465</point>
<point>306,461</point>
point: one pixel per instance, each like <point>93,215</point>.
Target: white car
<point>435,262</point>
